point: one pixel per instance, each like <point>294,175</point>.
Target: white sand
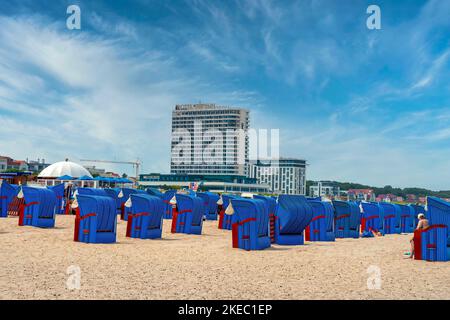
<point>33,265</point>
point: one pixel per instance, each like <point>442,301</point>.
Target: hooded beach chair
<point>321,227</point>
<point>391,217</point>
<point>292,215</point>
<point>155,192</point>
<point>210,204</point>
<point>271,204</point>
<point>38,208</point>
<point>169,208</point>
<point>96,219</point>
<point>188,217</point>
<point>372,219</point>
<point>347,219</point>
<point>146,218</point>
<point>122,197</point>
<point>250,224</point>
<point>406,219</point>
<point>433,244</point>
<point>225,220</point>
<point>61,201</point>
<point>8,193</point>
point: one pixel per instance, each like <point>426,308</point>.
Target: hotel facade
<point>284,176</point>
<point>197,126</point>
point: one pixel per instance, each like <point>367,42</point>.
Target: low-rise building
<point>361,195</point>
<point>213,183</point>
<point>324,188</point>
<point>283,176</point>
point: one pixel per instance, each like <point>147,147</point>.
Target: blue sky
<point>368,106</point>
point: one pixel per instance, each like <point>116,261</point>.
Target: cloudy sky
<point>368,106</point>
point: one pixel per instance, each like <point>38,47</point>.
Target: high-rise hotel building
<point>197,127</point>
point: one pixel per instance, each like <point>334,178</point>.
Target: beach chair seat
<point>391,217</point>
<point>347,219</point>
<point>8,193</point>
<point>250,224</point>
<point>188,217</point>
<point>146,218</point>
<point>96,219</point>
<point>431,244</point>
<point>321,227</point>
<point>210,204</point>
<point>38,208</point>
<point>292,215</point>
<point>371,219</point>
<point>271,204</point>
<point>406,219</point>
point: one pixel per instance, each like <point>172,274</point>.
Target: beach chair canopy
<point>7,193</point>
<point>209,200</point>
<point>294,213</point>
<point>439,212</point>
<point>103,207</point>
<point>44,200</point>
<point>155,192</point>
<point>246,209</point>
<point>191,203</point>
<point>93,192</point>
<point>148,204</point>
<point>350,210</point>
<point>270,202</point>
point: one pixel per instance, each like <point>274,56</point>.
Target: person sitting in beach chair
<point>431,238</point>
<point>423,224</point>
<point>146,218</point>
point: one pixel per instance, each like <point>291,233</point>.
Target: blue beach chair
<point>210,203</point>
<point>293,214</point>
<point>7,194</point>
<point>59,192</point>
<point>406,219</point>
<point>250,224</point>
<point>372,219</point>
<point>188,218</point>
<point>271,204</point>
<point>96,219</point>
<point>168,207</point>
<point>39,208</point>
<point>146,218</point>
<point>321,227</point>
<point>391,217</point>
<point>347,219</point>
<point>433,244</point>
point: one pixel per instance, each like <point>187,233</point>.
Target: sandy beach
<point>34,264</point>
